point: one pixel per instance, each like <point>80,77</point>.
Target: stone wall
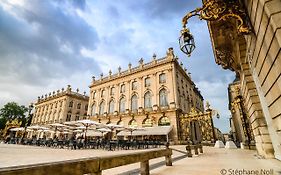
<point>261,72</point>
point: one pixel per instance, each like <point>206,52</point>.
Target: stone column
<point>255,113</point>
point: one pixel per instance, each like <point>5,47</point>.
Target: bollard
<point>188,149</point>
<point>200,148</point>
<point>196,149</point>
<point>168,160</point>
<point>144,167</point>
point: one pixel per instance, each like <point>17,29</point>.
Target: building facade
<point>60,106</point>
<point>256,59</point>
<point>241,130</point>
<point>151,94</point>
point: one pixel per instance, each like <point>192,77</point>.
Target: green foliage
<point>12,111</point>
<point>2,122</point>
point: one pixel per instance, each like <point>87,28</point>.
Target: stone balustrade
<point>93,165</point>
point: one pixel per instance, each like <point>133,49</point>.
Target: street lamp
<point>214,10</point>
<point>186,41</point>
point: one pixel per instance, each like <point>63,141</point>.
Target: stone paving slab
<point>223,161</point>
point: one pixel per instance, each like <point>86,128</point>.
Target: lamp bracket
<point>217,10</point>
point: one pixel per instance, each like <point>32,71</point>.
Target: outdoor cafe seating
<point>87,134</point>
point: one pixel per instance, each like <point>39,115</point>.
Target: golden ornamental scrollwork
<point>216,10</point>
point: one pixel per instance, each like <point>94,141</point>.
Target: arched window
<point>93,111</point>
<point>147,122</point>
<point>111,107</point>
<point>101,108</point>
<point>133,123</point>
<point>147,100</point>
<point>134,103</point>
<point>163,98</point>
<point>162,78</point>
<point>164,121</point>
<point>122,105</point>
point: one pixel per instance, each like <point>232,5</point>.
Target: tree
<point>12,111</point>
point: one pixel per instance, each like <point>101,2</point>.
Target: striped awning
<point>157,130</point>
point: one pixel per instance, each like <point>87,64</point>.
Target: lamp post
<point>28,121</point>
<point>214,10</point>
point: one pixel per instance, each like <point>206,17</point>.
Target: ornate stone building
<point>256,59</point>
<point>151,94</point>
<point>241,130</point>
<point>60,106</point>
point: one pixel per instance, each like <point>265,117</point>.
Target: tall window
<point>163,98</point>
<point>101,108</point>
<point>162,78</point>
<point>71,104</point>
<point>102,93</point>
<point>79,106</point>
<point>147,100</point>
<point>76,117</point>
<point>93,111</point>
<point>112,91</point>
<point>68,117</point>
<point>134,103</point>
<point>111,107</point>
<point>147,82</point>
<point>122,105</point>
<point>135,85</point>
<point>94,95</point>
<point>122,88</point>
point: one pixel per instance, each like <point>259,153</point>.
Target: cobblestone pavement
<point>212,161</point>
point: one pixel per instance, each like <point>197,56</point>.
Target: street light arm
<point>195,12</point>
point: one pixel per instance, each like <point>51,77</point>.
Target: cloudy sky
<point>45,45</point>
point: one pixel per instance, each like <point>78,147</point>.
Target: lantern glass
<point>186,42</point>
